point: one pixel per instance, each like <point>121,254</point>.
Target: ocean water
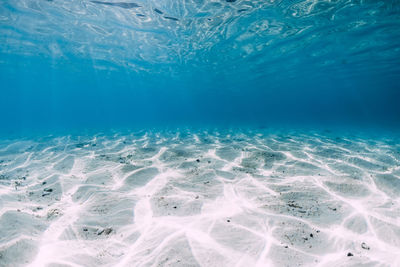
<point>199,133</point>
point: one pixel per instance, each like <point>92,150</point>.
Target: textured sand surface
<point>200,199</point>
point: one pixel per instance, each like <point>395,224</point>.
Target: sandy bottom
<point>200,199</point>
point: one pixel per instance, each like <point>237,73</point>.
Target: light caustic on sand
<point>200,199</point>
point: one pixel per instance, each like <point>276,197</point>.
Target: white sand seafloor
<point>200,199</point>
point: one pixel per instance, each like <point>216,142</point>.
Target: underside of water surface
<point>199,133</point>
<point>111,63</point>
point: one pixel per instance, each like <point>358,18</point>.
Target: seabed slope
<point>200,199</point>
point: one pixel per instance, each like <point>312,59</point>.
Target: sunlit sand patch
<point>207,198</point>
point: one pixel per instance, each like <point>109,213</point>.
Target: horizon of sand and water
<point>199,133</point>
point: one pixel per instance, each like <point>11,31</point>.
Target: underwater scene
<point>199,133</point>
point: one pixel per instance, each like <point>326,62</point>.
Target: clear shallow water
<point>97,167</point>
<point>101,64</point>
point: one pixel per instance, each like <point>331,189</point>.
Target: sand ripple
<point>200,198</point>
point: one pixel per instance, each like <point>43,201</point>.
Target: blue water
<point>210,133</point>
<point>80,64</point>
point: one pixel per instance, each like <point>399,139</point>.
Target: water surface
<point>199,133</point>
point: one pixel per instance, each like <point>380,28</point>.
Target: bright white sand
<point>200,199</point>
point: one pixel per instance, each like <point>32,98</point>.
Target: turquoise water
<point>92,64</point>
<point>199,133</point>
